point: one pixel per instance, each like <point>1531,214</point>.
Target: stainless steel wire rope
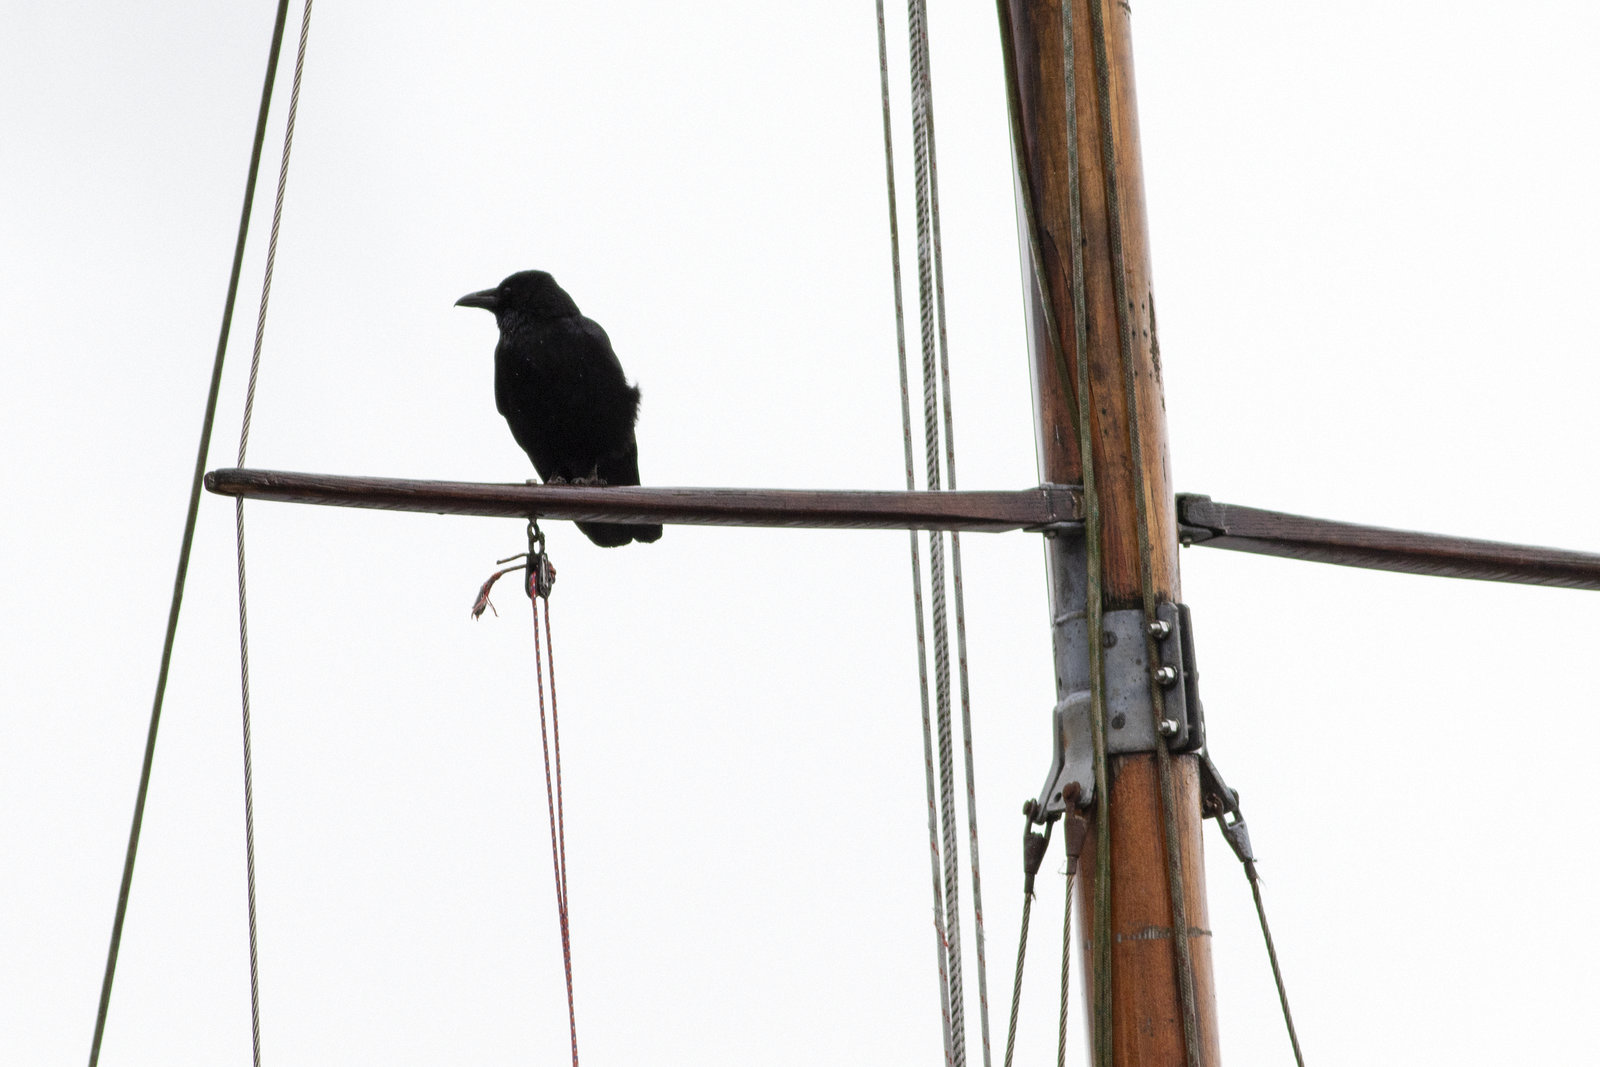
<point>916,564</point>
<point>930,284</point>
<point>936,383</point>
<point>1272,956</point>
<point>1066,961</point>
<point>187,544</point>
<point>238,521</point>
<point>1016,983</point>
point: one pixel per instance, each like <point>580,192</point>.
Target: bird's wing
<point>505,375</point>
<point>593,343</point>
<point>620,467</point>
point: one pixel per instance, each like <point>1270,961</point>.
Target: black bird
<point>562,390</point>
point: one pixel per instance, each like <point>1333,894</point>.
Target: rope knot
<point>540,572</point>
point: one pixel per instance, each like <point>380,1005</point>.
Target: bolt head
<point>1169,728</point>
<point>1167,676</point>
<point>1159,629</point>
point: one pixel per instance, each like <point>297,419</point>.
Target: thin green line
<point>1182,962</point>
<point>1093,549</point>
<point>188,536</point>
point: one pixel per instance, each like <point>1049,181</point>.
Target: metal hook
<point>1034,845</point>
<point>541,572</point>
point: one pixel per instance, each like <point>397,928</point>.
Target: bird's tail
<point>619,468</point>
<point>615,534</point>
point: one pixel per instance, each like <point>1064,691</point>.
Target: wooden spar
<point>992,510</point>
<point>1202,520</point>
<point>1145,1007</point>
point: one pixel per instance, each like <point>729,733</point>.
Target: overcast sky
<point>1374,238</point>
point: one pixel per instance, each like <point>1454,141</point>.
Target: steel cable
<point>1066,960</point>
<point>935,355</point>
<point>916,564</point>
<point>1016,984</point>
<point>238,520</point>
<point>187,544</point>
<point>956,584</point>
<point>1272,956</point>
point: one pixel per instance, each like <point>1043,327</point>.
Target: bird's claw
<point>589,481</point>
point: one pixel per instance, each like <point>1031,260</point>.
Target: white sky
<point>1374,239</point>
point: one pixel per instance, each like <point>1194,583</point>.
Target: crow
<point>562,391</point>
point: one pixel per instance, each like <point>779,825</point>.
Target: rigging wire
<point>1066,960</point>
<point>1272,955</point>
<point>1219,802</point>
<point>1119,278</point>
<point>1079,417</point>
<point>187,544</point>
<point>961,614</point>
<point>238,519</point>
<point>935,355</point>
<point>936,371</point>
<point>1034,846</point>
<point>1101,993</point>
<point>916,565</point>
<point>1016,984</point>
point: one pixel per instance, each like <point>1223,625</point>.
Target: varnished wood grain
<point>1148,1027</point>
<point>1043,84</point>
<point>984,511</point>
<point>1147,1017</point>
<point>1276,533</point>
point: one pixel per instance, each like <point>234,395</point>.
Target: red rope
<point>558,831</point>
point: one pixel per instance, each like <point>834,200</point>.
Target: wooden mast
<point>1146,1010</point>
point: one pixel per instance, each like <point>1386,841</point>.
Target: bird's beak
<point>487,299</point>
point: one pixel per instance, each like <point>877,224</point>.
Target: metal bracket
<point>1075,828</point>
<point>1194,712</point>
<point>1199,520</point>
<point>1219,802</point>
<point>1130,674</point>
<point>1070,781</point>
<point>1034,845</point>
